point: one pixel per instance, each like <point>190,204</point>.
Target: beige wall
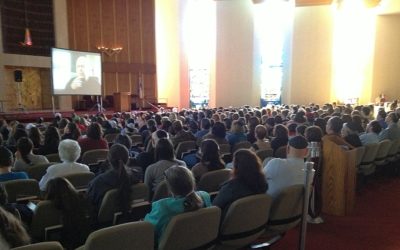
<point>234,54</point>
<point>311,58</point>
<point>387,57</point>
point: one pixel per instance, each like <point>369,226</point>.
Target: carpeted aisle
<point>374,224</point>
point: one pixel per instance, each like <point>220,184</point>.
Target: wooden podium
<point>122,101</point>
<point>339,175</point>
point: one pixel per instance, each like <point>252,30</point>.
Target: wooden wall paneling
<point>122,40</point>
<point>148,28</point>
<point>46,89</point>
<point>108,38</point>
<point>94,20</point>
<point>71,24</point>
<point>134,30</point>
<point>80,25</point>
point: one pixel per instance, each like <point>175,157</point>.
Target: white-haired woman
<point>69,152</point>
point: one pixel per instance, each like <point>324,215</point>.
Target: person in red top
<point>93,139</point>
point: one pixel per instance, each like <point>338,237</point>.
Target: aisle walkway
<point>374,224</point>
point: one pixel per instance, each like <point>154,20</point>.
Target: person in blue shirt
<point>181,185</point>
<point>6,162</point>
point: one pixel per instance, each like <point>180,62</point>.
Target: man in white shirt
<point>69,151</point>
<point>282,173</point>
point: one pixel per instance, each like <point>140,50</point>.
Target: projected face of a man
<point>80,66</point>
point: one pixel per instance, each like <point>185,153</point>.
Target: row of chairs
<point>203,229</point>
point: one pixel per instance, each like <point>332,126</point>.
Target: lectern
<point>122,101</point>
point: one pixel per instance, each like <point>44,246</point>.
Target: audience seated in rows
<point>180,135</point>
<point>6,162</point>
<point>210,159</point>
<point>181,184</point>
<point>165,158</point>
<point>69,151</point>
<point>217,133</point>
<point>282,173</point>
<point>333,132</point>
<point>24,157</point>
<point>247,179</point>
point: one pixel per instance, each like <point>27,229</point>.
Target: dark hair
<point>375,126</point>
<point>52,137</point>
<point>164,150</point>
<point>393,116</point>
<point>253,122</point>
<point>3,196</point>
<point>118,156</point>
<point>6,157</point>
<point>219,130</point>
<point>66,199</point>
<point>281,131</point>
<point>292,127</point>
<point>74,130</point>
<point>19,133</point>
<point>35,136</point>
<point>313,134</point>
<point>336,124</point>
<point>94,131</point>
<point>247,169</point>
<point>24,147</point>
<point>12,230</point>
<point>181,183</point>
<point>205,123</point>
<point>210,155</point>
<point>300,129</point>
<point>357,122</point>
<point>260,132</point>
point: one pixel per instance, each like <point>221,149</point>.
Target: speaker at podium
<point>122,101</point>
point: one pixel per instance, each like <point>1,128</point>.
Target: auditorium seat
<point>23,189</point>
<point>53,158</point>
<point>240,145</point>
<point>50,245</point>
<point>184,147</point>
<point>161,191</point>
<point>212,181</point>
<point>94,156</point>
<point>80,181</point>
<point>46,217</point>
<point>37,171</point>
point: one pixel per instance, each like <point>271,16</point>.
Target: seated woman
<point>24,158</point>
<point>12,232</point>
<point>51,141</point>
<point>261,143</point>
<point>6,162</point>
<point>210,159</point>
<point>93,139</point>
<point>281,137</point>
<point>69,152</point>
<point>181,184</point>
<point>248,179</point>
<point>65,198</point>
<point>165,158</point>
<point>117,177</point>
<point>71,131</point>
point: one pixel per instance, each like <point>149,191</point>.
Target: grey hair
<point>69,150</point>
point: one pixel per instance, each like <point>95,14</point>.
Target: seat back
<point>44,216</point>
<point>184,147</point>
<point>80,180</point>
<point>286,210</point>
<point>137,139</point>
<point>191,230</point>
<point>360,154</point>
<point>110,138</point>
<point>49,245</point>
<point>281,152</point>
<point>23,189</point>
<point>238,230</point>
<point>367,165</point>
<point>37,171</point>
<point>139,193</point>
<point>133,235</point>
<point>53,158</point>
<point>241,145</point>
<point>161,192</point>
<point>264,153</point>
<point>383,150</point>
<point>211,181</point>
<point>393,150</point>
<point>94,156</point>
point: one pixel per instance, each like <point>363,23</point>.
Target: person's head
<point>177,126</point>
<point>118,156</point>
<point>247,168</point>
<point>6,157</point>
<point>124,140</point>
<point>19,133</point>
<point>392,118</point>
<point>313,134</point>
<point>297,147</point>
<point>210,154</point>
<point>60,191</point>
<point>349,128</point>
<point>73,129</point>
<point>94,131</point>
<point>12,230</point>
<point>280,131</point>
<point>205,123</point>
<point>164,150</point>
<point>374,127</point>
<point>253,122</point>
<point>80,66</point>
<point>260,132</point>
<point>237,127</point>
<point>334,125</point>
<point>24,147</point>
<point>69,150</point>
<point>51,136</point>
<point>300,129</point>
<point>219,130</point>
<point>157,135</point>
<point>181,183</point>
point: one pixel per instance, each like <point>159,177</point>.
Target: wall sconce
<point>109,51</point>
